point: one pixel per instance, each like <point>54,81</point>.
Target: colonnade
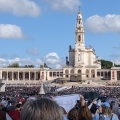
<point>19,75</point>
<point>30,75</point>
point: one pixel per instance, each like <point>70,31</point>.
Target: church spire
<point>79,41</point>
<point>79,32</point>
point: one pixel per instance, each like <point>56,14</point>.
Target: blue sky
<point>37,31</point>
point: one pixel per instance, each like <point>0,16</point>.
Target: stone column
<point>89,73</point>
<point>35,75</point>
<point>59,74</point>
<point>23,75</point>
<point>29,78</point>
<point>47,75</point>
<point>104,74</point>
<point>18,75</point>
<point>96,74</point>
<point>12,76</point>
<point>40,74</point>
<point>29,75</point>
<point>1,74</point>
<point>7,76</point>
<point>63,73</point>
<point>46,78</point>
<point>44,75</point>
<point>115,74</point>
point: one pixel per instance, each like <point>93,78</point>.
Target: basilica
<point>81,64</point>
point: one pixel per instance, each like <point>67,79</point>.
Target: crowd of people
<point>19,103</point>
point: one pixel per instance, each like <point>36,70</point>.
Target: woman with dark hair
<point>41,109</point>
<point>84,113</point>
<point>73,114</point>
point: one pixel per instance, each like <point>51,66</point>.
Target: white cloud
<point>98,24</point>
<point>20,61</point>
<point>20,7</point>
<point>10,31</point>
<point>32,51</point>
<point>58,66</point>
<point>51,59</point>
<point>64,5</point>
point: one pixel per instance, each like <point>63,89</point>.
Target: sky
<point>33,32</point>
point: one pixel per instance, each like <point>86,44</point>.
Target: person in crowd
<point>8,102</point>
<point>4,116</point>
<point>41,109</point>
<point>84,113</point>
<point>4,102</point>
<point>105,113</point>
<point>15,114</point>
<point>93,106</point>
<point>13,106</point>
<point>113,107</point>
<point>80,102</point>
<point>73,114</point>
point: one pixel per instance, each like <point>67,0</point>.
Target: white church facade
<point>82,64</point>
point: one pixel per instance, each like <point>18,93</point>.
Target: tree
<point>107,64</point>
<point>29,66</point>
<point>14,65</point>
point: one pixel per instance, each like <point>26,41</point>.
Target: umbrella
<point>91,95</point>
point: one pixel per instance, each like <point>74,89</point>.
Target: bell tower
<point>79,41</point>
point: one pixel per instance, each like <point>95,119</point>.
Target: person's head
<point>13,102</point>
<point>19,106</point>
<point>84,113</point>
<point>73,114</point>
<point>112,104</point>
<point>41,109</point>
<point>106,110</point>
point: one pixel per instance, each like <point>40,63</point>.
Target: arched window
<point>72,71</point>
<point>79,21</point>
<point>79,38</point>
<point>79,71</point>
<point>66,71</point>
<point>93,73</point>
